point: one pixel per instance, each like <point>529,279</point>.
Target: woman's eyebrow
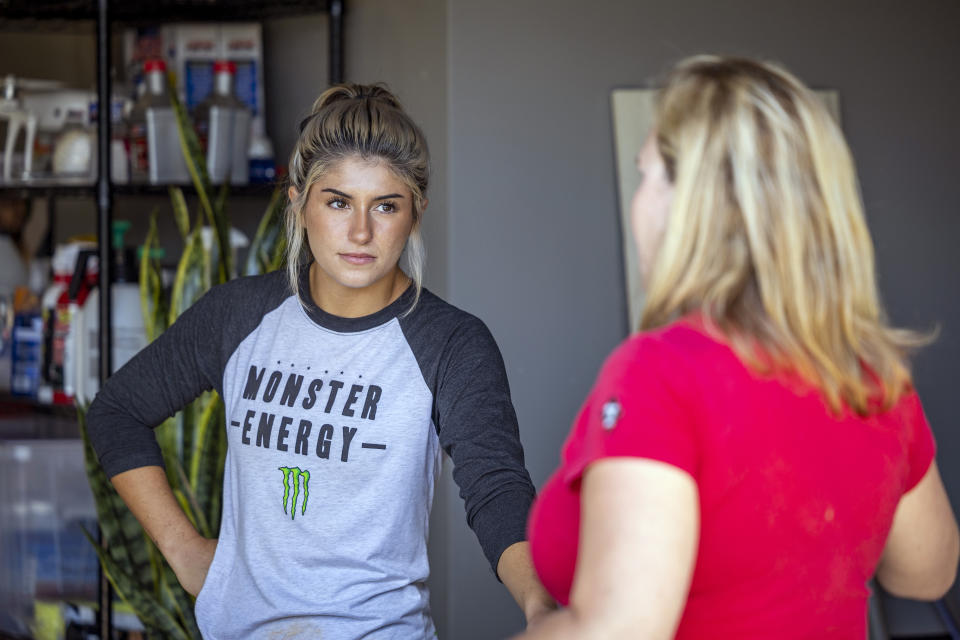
<point>349,197</point>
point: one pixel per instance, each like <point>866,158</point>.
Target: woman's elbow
<point>946,572</point>
<point>930,582</point>
<point>927,590</point>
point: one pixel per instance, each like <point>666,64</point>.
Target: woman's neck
<point>348,302</point>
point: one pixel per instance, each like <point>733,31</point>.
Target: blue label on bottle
<point>26,355</point>
<point>245,84</point>
<point>197,81</point>
<point>262,170</point>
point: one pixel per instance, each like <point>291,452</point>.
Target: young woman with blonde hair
<point>757,453</point>
<point>343,382</point>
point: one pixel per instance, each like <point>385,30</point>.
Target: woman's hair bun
<point>351,91</point>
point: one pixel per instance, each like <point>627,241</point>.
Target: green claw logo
<point>291,481</point>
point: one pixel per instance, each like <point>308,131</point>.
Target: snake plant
<point>193,441</point>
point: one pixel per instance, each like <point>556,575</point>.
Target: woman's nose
<point>360,230</point>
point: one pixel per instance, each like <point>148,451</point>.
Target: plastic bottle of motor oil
<point>223,126</point>
<point>155,153</point>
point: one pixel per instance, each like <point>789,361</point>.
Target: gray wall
<point>534,237</point>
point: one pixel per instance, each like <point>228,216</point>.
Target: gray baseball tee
<point>335,430</point>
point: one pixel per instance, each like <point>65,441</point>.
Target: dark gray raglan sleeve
<point>156,383</point>
<point>478,429</point>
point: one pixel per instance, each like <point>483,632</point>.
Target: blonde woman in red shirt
<point>757,453</point>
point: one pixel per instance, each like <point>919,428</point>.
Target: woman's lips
<point>358,258</point>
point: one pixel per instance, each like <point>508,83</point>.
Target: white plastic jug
<point>128,335</point>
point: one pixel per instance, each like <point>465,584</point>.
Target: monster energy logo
<point>291,482</point>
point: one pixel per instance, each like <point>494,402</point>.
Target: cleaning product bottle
<point>119,153</point>
<point>57,318</point>
<point>6,342</point>
<point>260,153</point>
<point>155,154</point>
<point>223,126</point>
<point>68,326</point>
<point>51,368</point>
<point>26,355</point>
<point>128,335</point>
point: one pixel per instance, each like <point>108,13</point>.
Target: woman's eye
<point>386,207</point>
<point>337,203</point>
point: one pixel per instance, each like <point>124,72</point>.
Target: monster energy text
<point>300,433</point>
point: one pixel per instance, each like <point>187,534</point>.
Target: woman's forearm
<point>515,569</point>
<point>562,625</point>
<point>146,492</point>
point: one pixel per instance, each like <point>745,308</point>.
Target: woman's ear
<point>292,193</point>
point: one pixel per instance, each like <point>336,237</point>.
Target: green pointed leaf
<point>173,596</point>
<point>152,300</point>
<point>186,425</point>
<point>180,212</point>
<point>150,611</point>
<point>168,437</point>
<point>205,461</point>
<point>196,514</point>
<point>197,167</point>
<point>220,206</point>
<point>159,319</point>
<point>190,145</point>
<point>279,254</point>
<point>184,503</point>
<point>268,234</point>
<point>211,265</point>
<point>189,283</point>
<point>156,566</point>
<point>216,462</point>
<point>175,599</point>
<point>123,534</point>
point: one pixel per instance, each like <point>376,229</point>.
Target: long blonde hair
<point>767,237</point>
<point>357,120</point>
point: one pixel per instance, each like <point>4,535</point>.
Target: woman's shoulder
<point>670,359</point>
<point>438,330</point>
<point>268,288</point>
<point>442,317</point>
<point>272,281</point>
<point>686,340</point>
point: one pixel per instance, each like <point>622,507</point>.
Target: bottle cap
<point>225,65</point>
<point>154,64</point>
<point>120,228</point>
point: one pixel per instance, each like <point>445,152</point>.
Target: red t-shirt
<point>795,501</point>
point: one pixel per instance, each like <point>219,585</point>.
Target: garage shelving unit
<point>105,15</point>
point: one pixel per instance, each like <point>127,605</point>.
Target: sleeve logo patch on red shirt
<point>611,414</point>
